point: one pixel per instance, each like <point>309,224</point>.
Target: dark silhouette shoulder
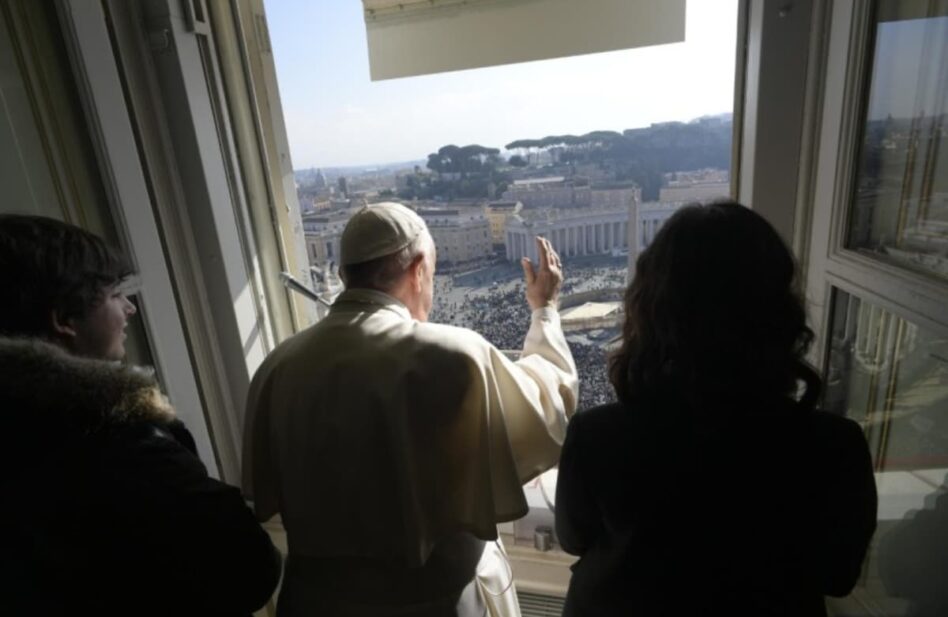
<point>754,509</point>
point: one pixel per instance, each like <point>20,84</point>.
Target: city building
<point>549,192</point>
<point>573,233</point>
<point>615,194</point>
<point>497,213</point>
<point>319,181</point>
<point>322,231</point>
<point>461,237</point>
<point>587,232</point>
<point>700,185</point>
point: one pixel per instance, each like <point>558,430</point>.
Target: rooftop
<point>590,310</point>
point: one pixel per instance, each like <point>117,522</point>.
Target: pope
<point>392,446</point>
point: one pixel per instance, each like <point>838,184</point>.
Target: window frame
<point>912,295</point>
<point>84,30</point>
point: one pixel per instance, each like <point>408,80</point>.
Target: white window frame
<point>101,93</point>
<point>776,115</point>
<point>192,147</point>
<point>914,296</point>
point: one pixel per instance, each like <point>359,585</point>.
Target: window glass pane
<point>891,376</point>
<point>900,208</point>
<point>46,168</point>
<point>50,170</point>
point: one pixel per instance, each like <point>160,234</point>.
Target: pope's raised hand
<point>544,280</point>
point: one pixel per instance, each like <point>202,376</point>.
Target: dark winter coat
<point>729,513</point>
<point>106,509</point>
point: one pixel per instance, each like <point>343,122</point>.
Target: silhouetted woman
<point>714,487</point>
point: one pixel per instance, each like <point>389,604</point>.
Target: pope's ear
<point>416,271</point>
<point>417,267</point>
<point>61,325</point>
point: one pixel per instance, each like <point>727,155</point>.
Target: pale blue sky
<point>336,116</point>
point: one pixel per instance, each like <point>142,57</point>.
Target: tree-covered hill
<point>642,155</point>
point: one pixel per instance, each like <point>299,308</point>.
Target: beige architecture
<point>698,185</point>
<point>588,232</point>
<point>572,232</point>
<point>497,213</point>
<point>322,247</point>
<point>704,191</point>
<point>615,194</point>
<point>460,237</point>
<point>551,192</point>
<point>322,232</point>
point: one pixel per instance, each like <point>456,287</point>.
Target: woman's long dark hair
<point>714,315</point>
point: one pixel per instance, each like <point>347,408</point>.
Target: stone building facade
<point>573,233</point>
<point>553,192</point>
<point>615,195</point>
<point>322,231</point>
<point>497,213</point>
<point>460,237</point>
<point>576,233</point>
<point>701,192</point>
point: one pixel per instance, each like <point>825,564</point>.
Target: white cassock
<point>392,448</point>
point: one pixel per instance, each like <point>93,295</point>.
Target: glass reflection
<point>900,208</point>
<point>892,377</point>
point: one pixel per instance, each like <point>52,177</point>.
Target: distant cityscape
<point>577,190</point>
<point>600,198</point>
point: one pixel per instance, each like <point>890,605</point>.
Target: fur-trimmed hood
<point>43,383</point>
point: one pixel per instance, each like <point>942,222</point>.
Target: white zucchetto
<point>377,230</point>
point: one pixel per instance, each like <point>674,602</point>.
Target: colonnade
<point>569,240</point>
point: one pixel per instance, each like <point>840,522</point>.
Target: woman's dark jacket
<point>106,508</point>
<point>719,513</point>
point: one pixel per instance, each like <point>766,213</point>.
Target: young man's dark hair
<point>108,488</point>
<point>54,275</point>
<point>47,265</point>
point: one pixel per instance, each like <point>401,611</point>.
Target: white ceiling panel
<point>419,37</point>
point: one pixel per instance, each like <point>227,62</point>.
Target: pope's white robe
<point>378,438</point>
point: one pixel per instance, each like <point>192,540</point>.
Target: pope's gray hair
<point>383,273</point>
